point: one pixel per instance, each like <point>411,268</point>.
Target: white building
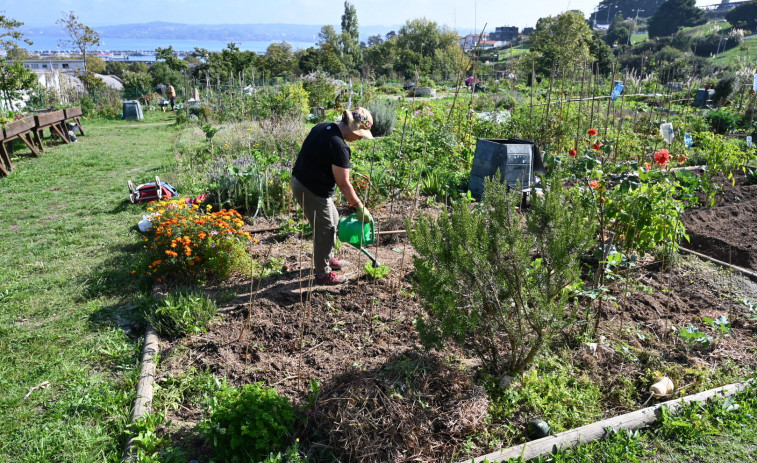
<point>42,65</point>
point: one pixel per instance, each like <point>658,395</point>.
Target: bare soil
<point>728,230</point>
<point>382,398</point>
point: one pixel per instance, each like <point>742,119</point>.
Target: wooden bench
<point>21,129</point>
<point>74,114</point>
<point>55,121</point>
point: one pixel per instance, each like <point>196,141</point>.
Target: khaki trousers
<point>324,218</point>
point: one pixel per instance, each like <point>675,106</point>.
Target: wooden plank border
<point>594,431</point>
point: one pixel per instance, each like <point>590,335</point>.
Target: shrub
<point>321,89</point>
<point>494,279</point>
<point>722,120</point>
<point>189,241</point>
<point>724,88</point>
<point>182,312</point>
<point>245,424</point>
<point>715,43</point>
<point>384,114</point>
<point>287,101</point>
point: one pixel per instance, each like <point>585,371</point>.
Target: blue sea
<point>50,43</point>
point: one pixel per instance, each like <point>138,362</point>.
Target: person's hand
<point>363,214</point>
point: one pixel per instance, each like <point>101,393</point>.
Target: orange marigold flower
<point>133,272</point>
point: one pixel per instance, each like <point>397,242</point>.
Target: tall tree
<point>169,56</point>
<point>375,40</point>
<point>673,15</point>
<point>562,41</point>
<point>14,77</point>
<point>278,61</point>
<point>352,54</point>
<point>83,38</point>
<point>328,36</point>
<point>744,15</point>
<point>420,42</point>
<point>324,59</point>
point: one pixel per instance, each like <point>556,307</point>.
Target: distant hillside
<point>223,32</point>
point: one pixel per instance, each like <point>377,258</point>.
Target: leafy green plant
<point>376,273</point>
<point>182,312</point>
<point>552,389</point>
<point>481,285</point>
<point>722,120</point>
<point>149,446</point>
<point>695,338</point>
<point>289,226</point>
<point>184,389</point>
<point>721,325</point>
<point>210,131</point>
<point>292,454</point>
<point>247,423</point>
<point>236,186</point>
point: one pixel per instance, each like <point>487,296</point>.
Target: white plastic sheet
<point>666,130</point>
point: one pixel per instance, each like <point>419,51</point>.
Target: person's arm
<point>342,178</point>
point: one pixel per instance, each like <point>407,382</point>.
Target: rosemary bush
<point>496,280</point>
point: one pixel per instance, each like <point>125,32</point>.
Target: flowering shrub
<point>190,240</point>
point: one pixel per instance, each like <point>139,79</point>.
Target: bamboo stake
<point>545,120</point>
<point>609,102</point>
<point>580,105</point>
<point>531,108</point>
<point>592,83</point>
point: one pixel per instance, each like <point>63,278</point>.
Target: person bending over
<point>323,164</point>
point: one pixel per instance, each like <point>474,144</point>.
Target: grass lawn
<point>747,52</point>
<point>66,290</point>
<point>639,38</point>
<point>706,29</point>
<point>514,52</point>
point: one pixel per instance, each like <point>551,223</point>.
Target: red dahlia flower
<point>662,157</point>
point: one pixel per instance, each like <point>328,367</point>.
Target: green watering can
<point>352,231</point>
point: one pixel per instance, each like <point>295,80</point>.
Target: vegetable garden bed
<point>358,341</point>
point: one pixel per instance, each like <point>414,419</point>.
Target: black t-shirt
<point>323,147</point>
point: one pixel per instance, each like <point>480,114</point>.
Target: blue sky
<point>457,14</point>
